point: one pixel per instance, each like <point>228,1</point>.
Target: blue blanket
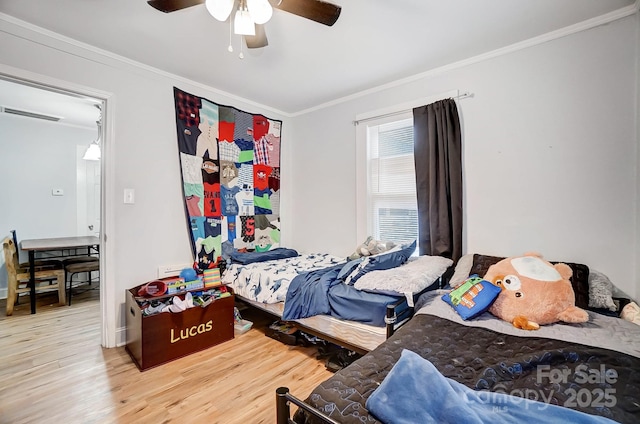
<point>322,292</point>
<point>251,257</point>
<point>414,391</point>
<point>307,294</point>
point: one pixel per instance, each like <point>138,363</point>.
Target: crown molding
<point>541,39</point>
<point>69,43</point>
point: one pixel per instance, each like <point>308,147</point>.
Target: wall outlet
<point>165,271</point>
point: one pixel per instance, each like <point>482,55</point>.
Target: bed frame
<point>283,412</point>
<point>358,337</point>
<point>396,316</point>
<point>355,336</point>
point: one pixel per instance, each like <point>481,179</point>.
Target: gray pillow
<point>463,268</point>
<point>601,291</point>
<point>414,276</point>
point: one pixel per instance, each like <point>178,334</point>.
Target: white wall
<point>36,157</point>
<point>140,152</point>
<point>549,154</point>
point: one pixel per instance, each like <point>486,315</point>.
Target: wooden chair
<point>87,264</point>
<point>39,263</point>
<point>47,278</point>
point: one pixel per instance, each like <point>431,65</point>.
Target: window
<point>391,207</point>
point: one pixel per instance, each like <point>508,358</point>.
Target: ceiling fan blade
<point>258,40</point>
<point>167,6</point>
<point>316,10</point>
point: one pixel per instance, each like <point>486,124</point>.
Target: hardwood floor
<point>53,370</point>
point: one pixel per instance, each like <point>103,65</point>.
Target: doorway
<point>74,199</point>
<point>88,194</point>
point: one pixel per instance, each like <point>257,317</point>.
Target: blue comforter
<point>414,391</point>
<point>320,292</point>
<point>269,255</point>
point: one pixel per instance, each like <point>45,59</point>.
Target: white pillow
<point>412,277</point>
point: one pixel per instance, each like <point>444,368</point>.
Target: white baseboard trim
<point>121,336</point>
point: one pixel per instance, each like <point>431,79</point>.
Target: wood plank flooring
<point>53,370</point>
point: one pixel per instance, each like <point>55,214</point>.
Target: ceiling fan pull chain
<point>230,48</point>
<point>241,55</point>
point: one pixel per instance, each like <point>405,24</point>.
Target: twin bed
<point>438,365</point>
<point>591,368</point>
<point>492,356</point>
<point>317,299</point>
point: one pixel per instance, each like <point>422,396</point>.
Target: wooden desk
<point>61,244</point>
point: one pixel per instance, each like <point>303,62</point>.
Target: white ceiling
<point>74,111</point>
<point>307,64</point>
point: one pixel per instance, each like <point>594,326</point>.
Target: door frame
<point>107,250</point>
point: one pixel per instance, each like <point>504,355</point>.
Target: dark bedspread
<point>483,359</point>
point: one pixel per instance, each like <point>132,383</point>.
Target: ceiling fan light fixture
<point>243,24</point>
<point>219,9</point>
<point>93,152</point>
<point>260,10</point>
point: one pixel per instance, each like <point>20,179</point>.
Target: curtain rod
<point>400,112</point>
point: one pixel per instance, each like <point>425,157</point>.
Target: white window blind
<point>392,212</point>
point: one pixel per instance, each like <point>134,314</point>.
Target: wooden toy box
<point>157,339</point>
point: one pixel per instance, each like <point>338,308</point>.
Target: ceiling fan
<point>251,15</point>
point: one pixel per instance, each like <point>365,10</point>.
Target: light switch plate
<point>129,196</point>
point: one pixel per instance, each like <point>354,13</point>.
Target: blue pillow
<point>246,258</point>
<point>472,297</point>
<point>386,260</point>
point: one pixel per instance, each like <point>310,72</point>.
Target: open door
<point>88,195</point>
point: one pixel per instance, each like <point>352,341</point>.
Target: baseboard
<point>121,336</point>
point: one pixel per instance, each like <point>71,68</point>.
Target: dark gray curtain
<point>438,160</point>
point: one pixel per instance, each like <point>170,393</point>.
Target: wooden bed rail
<point>283,412</point>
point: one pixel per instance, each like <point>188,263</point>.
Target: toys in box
<point>160,337</point>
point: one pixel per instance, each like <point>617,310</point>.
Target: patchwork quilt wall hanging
<point>230,167</point>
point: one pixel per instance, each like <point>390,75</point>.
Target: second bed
<point>310,290</point>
